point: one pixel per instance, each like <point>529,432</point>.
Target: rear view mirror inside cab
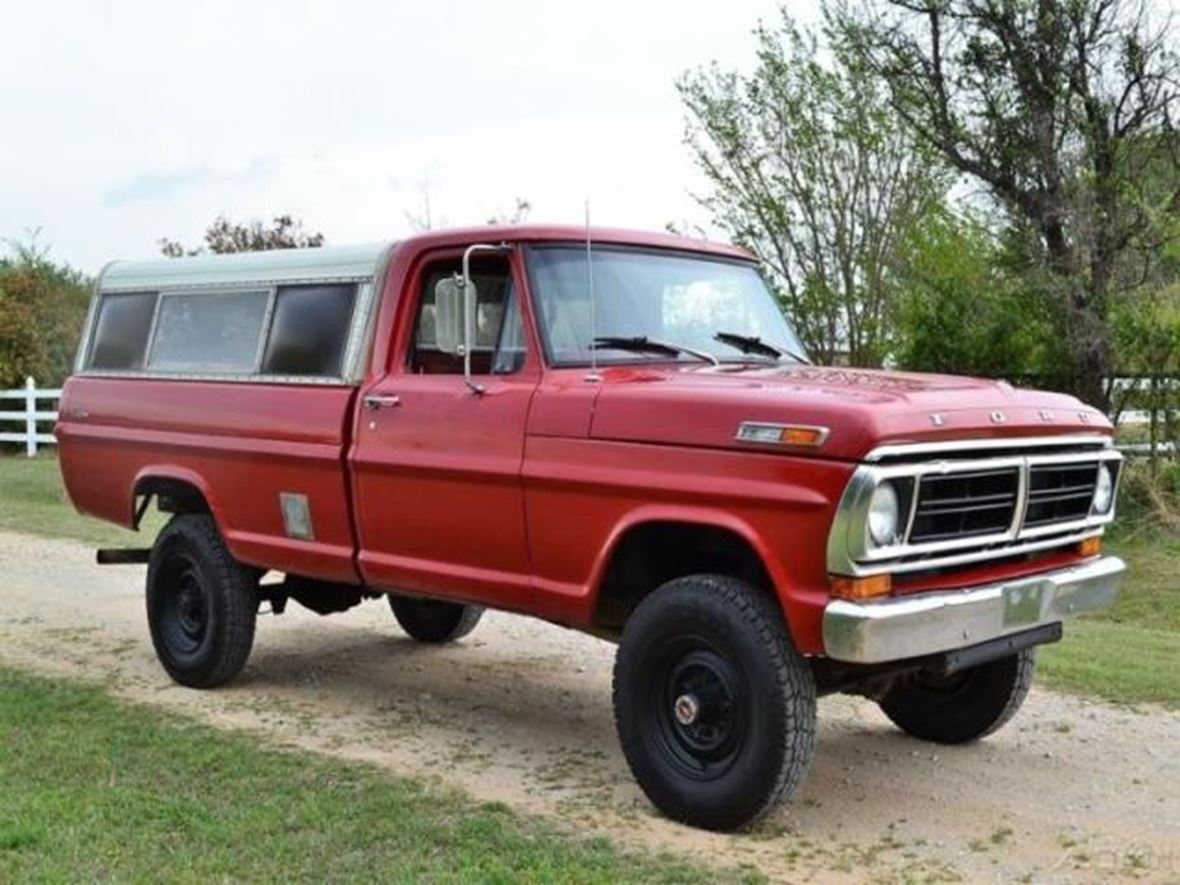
<point>448,315</point>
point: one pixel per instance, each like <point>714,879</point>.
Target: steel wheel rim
<point>705,745</point>
<point>186,606</point>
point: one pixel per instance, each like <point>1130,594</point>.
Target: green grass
<point>1131,651</point>
<point>97,789</point>
<point>1151,592</point>
<point>33,500</point>
<point>1124,663</point>
<point>1127,654</point>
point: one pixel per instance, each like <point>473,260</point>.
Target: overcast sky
<point>127,121</point>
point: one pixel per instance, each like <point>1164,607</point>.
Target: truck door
<point>437,467</point>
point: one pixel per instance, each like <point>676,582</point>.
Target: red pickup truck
<point>613,431</point>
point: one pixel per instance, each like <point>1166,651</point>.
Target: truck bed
<point>115,431</point>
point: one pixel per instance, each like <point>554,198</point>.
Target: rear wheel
<point>434,621</point>
<point>201,603</point>
<point>714,707</point>
<point>964,706</point>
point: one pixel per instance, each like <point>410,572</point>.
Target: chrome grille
<point>1059,493</point>
<point>972,502</point>
<point>961,505</point>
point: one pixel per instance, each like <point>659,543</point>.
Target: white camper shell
<point>288,316</point>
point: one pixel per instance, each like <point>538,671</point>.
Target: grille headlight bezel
<point>1103,501</point>
<point>884,516</point>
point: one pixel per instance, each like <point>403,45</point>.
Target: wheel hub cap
<point>687,708</point>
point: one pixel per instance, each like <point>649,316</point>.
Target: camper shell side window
<point>298,332</point>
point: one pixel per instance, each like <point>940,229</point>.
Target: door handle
<point>379,401</point>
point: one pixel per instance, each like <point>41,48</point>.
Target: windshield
<point>665,297</point>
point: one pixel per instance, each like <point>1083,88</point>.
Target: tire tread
<point>764,620</point>
<point>236,597</point>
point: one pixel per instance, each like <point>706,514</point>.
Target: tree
<point>965,309</point>
<point>224,236</point>
<point>1062,110</point>
<point>811,171</point>
<point>42,309</point>
<point>518,215</point>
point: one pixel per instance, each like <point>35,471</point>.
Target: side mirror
<point>449,315</point>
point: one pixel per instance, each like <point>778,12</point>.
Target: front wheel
<point>201,603</point>
<point>714,706</point>
<point>964,706</point>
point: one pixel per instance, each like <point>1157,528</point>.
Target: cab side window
<point>499,347</point>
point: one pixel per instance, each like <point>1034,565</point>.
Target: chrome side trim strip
<point>923,624</point>
<point>241,378</point>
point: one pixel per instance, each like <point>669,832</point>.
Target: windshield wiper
<point>754,344</point>
<point>643,344</point>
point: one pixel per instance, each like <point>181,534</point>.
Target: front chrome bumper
<point>928,623</point>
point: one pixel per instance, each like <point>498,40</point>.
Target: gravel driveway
<point>519,712</point>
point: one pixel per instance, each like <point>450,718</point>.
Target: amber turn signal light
<point>1090,547</point>
<point>782,434</point>
<point>802,436</point>
<point>861,588</point>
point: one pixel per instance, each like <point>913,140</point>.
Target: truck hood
<point>862,409</point>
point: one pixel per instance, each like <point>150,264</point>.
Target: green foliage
<point>963,310</point>
<point>1146,330</point>
<point>42,309</point>
<point>811,170</point>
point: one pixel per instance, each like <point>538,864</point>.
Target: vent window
<point>121,330</point>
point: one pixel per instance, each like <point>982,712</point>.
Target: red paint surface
<point>516,499</point>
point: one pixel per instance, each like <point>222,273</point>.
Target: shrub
<point>1149,496</point>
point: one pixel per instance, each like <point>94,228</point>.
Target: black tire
<point>965,706</point>
<point>201,603</point>
<point>434,621</point>
<point>714,707</point>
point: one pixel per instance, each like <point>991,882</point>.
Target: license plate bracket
<point>1024,604</point>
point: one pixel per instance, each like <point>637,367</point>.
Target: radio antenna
<point>593,376</point>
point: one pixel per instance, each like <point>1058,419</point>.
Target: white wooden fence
<point>26,416</point>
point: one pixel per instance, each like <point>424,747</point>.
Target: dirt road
<point>520,713</point>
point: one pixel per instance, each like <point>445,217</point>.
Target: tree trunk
<point>1092,369</point>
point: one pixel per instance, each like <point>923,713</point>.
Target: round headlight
<point>883,515</point>
<point>1103,492</point>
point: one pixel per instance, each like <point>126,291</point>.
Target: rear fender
<point>154,473</point>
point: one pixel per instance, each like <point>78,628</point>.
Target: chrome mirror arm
<point>469,309</point>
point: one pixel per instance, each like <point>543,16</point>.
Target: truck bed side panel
<point>241,444</point>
